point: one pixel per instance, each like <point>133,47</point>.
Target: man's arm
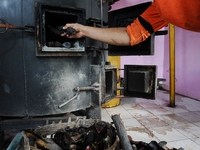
<point>113,36</point>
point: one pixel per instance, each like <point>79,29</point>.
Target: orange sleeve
<point>153,17</point>
<point>137,32</point>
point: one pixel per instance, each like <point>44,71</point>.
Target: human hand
<point>77,27</point>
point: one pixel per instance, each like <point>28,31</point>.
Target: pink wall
<point>126,3</point>
<point>187,63</point>
<point>156,59</point>
<point>187,57</point>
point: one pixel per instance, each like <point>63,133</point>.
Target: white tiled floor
<point>147,120</point>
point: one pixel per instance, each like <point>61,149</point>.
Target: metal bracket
<point>160,84</point>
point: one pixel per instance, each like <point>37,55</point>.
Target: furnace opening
<point>50,20</point>
<point>57,21</point>
<point>109,82</point>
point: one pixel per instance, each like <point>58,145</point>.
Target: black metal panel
<point>12,63</point>
<point>140,81</point>
<point>122,18</point>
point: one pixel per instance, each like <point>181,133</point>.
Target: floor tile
<point>196,140</point>
<point>158,111</point>
<point>123,114</point>
<point>197,124</point>
<point>173,119</point>
<point>190,116</point>
<point>161,102</point>
<point>104,113</point>
<point>140,100</point>
<point>167,134</point>
<point>141,134</point>
<point>115,109</point>
<point>147,120</point>
<point>149,105</point>
<point>189,130</point>
<point>189,104</point>
<point>131,123</point>
<point>107,119</point>
<point>163,95</point>
<point>186,144</point>
<point>175,110</point>
<point>152,121</point>
<point>132,107</point>
<point>130,104</point>
<point>198,113</point>
<point>140,113</point>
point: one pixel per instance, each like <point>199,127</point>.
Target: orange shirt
<point>154,18</point>
<point>182,13</point>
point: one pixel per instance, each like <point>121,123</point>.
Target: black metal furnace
<point>44,76</point>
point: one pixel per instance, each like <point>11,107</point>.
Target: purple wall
<point>187,57</point>
<point>126,3</point>
<point>156,59</point>
<point>187,63</point>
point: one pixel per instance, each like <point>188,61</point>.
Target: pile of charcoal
<point>82,134</point>
<point>99,136</point>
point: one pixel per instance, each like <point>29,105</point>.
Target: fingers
<point>78,30</point>
<point>68,36</point>
<point>65,27</point>
<point>68,25</point>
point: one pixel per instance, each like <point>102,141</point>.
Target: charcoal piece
<point>155,146</point>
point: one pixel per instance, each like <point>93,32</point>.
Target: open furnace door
<point>140,81</point>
